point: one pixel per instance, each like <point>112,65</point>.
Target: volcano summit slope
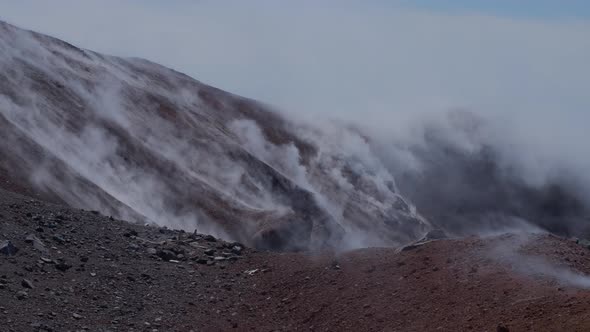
<point>206,211</point>
<point>142,142</point>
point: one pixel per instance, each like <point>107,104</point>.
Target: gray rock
<point>166,255</point>
<point>37,243</point>
<point>47,260</point>
<point>502,328</point>
<point>335,265</point>
<point>584,243</point>
<point>237,250</point>
<point>27,284</point>
<point>63,266</point>
<point>30,238</point>
<point>59,239</point>
<point>22,295</point>
<point>130,233</point>
<point>194,235</point>
<point>210,238</point>
<point>8,249</point>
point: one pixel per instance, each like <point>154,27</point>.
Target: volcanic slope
<point>142,142</point>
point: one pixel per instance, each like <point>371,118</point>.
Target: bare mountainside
<point>142,142</point>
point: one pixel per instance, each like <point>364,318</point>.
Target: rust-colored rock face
<point>139,141</point>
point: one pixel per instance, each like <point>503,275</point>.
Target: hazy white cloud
<point>339,58</point>
<point>378,64</point>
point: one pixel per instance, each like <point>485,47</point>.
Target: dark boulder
<point>8,249</point>
<point>166,255</point>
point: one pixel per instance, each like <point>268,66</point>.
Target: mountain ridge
<point>143,142</point>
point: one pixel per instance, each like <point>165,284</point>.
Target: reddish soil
<point>447,285</point>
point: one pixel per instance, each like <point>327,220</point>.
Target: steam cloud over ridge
<point>143,142</point>
<point>472,175</point>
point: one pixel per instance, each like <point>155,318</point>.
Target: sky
<point>356,60</point>
<point>509,8</point>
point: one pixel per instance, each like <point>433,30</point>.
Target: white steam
<point>509,251</point>
<point>178,153</point>
<point>137,140</point>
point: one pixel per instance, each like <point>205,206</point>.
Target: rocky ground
<point>63,269</point>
